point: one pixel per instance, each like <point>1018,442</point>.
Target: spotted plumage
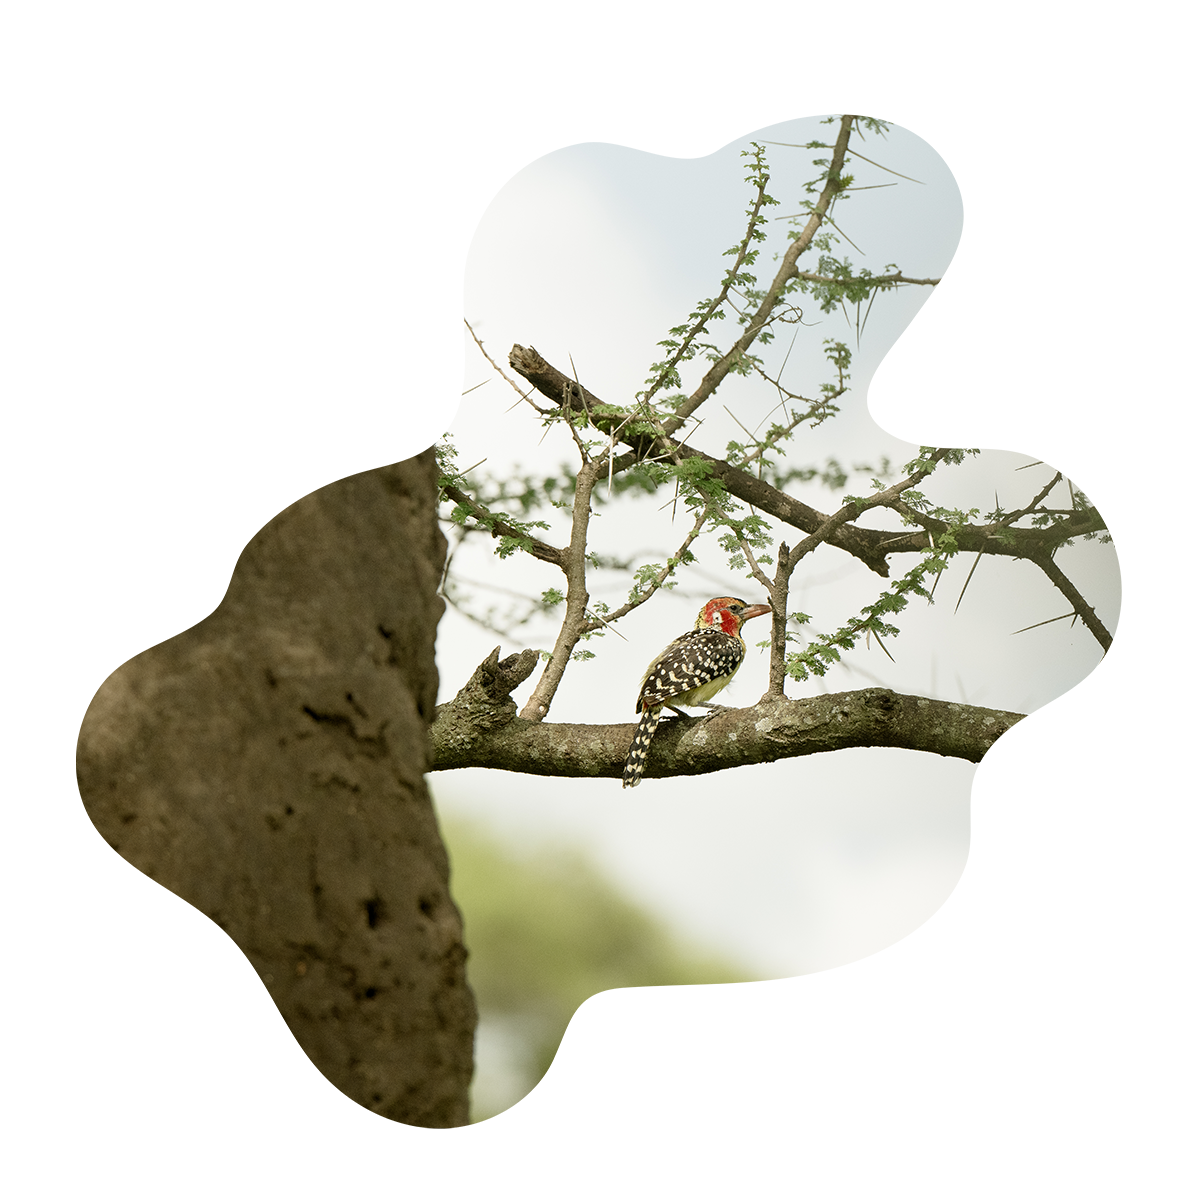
<point>690,671</point>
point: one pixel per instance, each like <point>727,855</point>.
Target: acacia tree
<point>742,497</point>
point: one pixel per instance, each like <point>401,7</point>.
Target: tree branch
<point>575,620</point>
<point>787,269</point>
<point>498,527</point>
<point>550,381</point>
<point>770,731</point>
<point>484,703</point>
<point>1087,613</point>
<point>701,323</point>
<point>870,546</point>
<point>680,555</point>
<point>898,277</point>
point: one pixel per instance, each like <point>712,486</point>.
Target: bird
<point>690,671</point>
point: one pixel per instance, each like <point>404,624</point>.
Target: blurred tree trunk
<point>265,930</point>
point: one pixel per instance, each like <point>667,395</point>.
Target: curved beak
<point>755,610</point>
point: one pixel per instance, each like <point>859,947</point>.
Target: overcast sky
<point>591,254</point>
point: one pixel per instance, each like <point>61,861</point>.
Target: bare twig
<point>512,383</point>
<point>778,591</point>
<point>1086,612</point>
<point>575,620</point>
<point>753,563</point>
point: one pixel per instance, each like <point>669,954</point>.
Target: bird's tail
<point>635,764</point>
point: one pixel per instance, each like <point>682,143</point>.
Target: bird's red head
<point>728,613</point>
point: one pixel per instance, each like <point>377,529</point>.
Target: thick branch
<point>771,730</point>
<point>484,703</point>
<point>1086,612</point>
<point>550,382</point>
<point>894,495</point>
<point>871,546</point>
<point>1020,543</point>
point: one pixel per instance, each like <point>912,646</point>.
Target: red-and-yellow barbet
<point>690,671</point>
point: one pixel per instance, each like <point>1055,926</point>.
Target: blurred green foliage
<point>618,1026</point>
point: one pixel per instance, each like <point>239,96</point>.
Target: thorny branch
<point>1086,612</point>
<point>787,269</point>
<point>872,547</point>
<point>651,436</point>
<point>898,277</point>
<point>713,306</point>
<point>497,526</point>
<point>548,380</point>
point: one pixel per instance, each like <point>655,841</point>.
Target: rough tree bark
<point>268,766</point>
<point>480,728</point>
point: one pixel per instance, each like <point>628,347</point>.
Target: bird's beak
<point>755,610</point>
